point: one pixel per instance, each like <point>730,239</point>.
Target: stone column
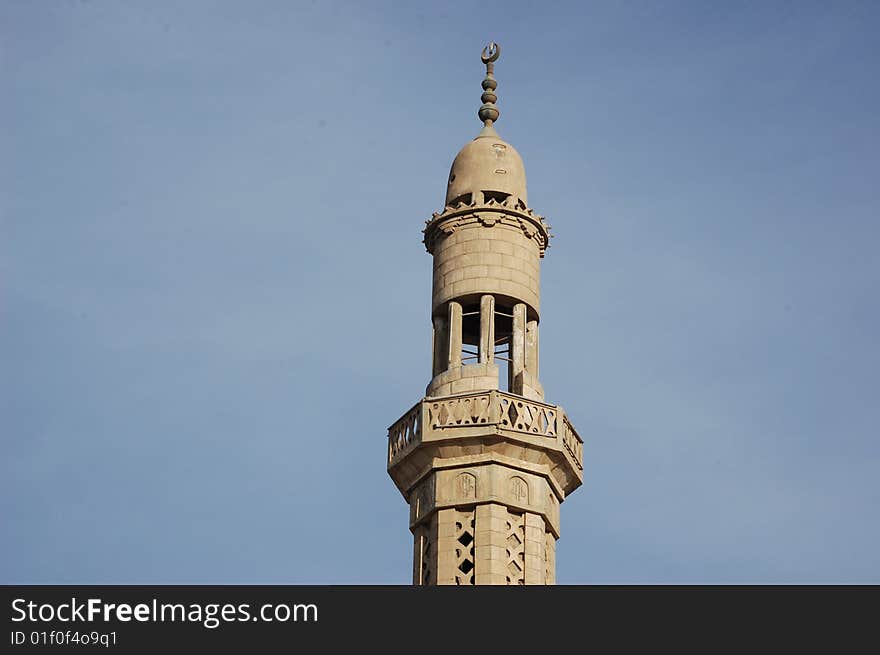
<point>517,348</point>
<point>445,554</point>
<point>532,348</point>
<point>491,546</point>
<point>536,565</point>
<point>441,343</point>
<point>487,329</point>
<point>550,557</point>
<point>454,354</point>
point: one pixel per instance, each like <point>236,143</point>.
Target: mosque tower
<point>483,460</point>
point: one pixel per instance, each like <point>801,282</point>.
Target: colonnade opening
<point>491,333</point>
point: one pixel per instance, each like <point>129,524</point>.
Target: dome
<point>487,164</point>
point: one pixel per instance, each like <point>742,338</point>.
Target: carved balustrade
<point>498,411</point>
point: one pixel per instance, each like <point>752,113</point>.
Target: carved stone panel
<point>465,485</point>
<point>519,490</point>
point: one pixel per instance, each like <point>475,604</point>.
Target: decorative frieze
<point>511,213</point>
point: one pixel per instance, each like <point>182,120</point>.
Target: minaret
<point>483,462</point>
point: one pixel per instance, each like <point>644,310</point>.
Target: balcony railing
<point>407,430</point>
<point>439,417</point>
<point>572,442</point>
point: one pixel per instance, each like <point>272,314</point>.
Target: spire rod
<point>488,111</point>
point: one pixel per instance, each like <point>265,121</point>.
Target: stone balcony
<point>485,426</point>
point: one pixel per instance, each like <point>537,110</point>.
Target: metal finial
<point>491,53</point>
<point>488,111</point>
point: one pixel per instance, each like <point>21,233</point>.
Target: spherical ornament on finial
<point>488,113</point>
<point>489,86</point>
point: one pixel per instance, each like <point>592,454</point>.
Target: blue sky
<point>214,299</point>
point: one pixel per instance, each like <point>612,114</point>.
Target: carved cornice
<point>486,214</point>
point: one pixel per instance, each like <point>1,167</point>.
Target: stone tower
<point>485,463</point>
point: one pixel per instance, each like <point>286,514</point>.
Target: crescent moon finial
<point>488,111</point>
<point>491,52</point>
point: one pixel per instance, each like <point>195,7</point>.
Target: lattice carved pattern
<point>523,416</point>
<point>572,443</point>
<point>406,430</point>
<point>464,548</point>
<point>516,553</point>
<point>472,410</point>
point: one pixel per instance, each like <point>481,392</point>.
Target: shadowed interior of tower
<point>503,334</point>
<point>470,333</point>
<point>503,331</point>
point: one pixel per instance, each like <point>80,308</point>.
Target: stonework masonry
<point>483,252</point>
<point>483,461</point>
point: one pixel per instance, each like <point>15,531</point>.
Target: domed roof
<point>488,163</point>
